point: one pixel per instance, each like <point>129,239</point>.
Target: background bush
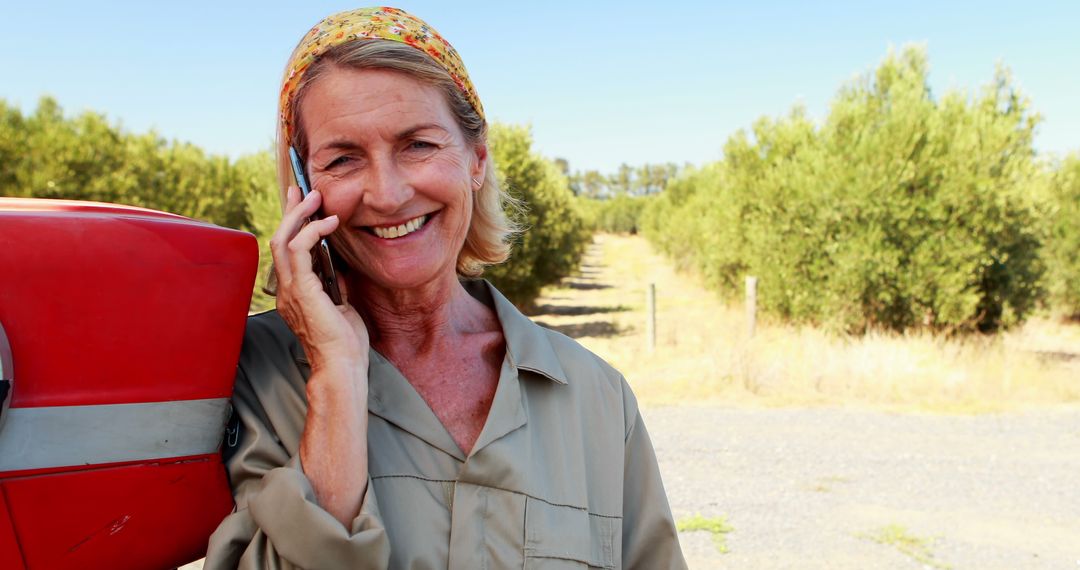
<point>898,211</point>
<point>619,214</point>
<point>46,155</point>
<point>556,234</point>
<point>1063,243</point>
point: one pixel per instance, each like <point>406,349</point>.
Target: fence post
<point>650,323</point>
<point>751,305</point>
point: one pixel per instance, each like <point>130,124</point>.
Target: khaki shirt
<point>563,474</point>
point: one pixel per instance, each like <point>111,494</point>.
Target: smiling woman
<point>424,422</point>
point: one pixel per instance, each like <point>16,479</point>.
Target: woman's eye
<point>337,162</point>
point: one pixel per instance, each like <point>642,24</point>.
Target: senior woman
<point>425,422</point>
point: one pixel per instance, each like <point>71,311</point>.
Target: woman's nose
<point>386,188</point>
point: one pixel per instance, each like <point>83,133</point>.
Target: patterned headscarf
<point>372,23</point>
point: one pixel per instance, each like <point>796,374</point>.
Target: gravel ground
<point>804,488</point>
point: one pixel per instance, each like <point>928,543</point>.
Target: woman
<point>425,422</point>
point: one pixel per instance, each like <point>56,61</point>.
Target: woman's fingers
<point>300,246</point>
<point>284,232</point>
<point>297,213</point>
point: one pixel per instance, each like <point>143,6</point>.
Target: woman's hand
<point>333,448</point>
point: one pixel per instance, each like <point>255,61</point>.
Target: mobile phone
<point>324,268</point>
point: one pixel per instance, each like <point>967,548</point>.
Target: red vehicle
<point>120,330</point>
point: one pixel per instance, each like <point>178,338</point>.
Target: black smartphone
<point>324,268</point>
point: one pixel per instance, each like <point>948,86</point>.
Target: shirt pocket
<point>560,537</point>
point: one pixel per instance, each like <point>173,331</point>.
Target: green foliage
<point>900,538</point>
<point>614,203</point>
<point>1063,241</point>
<point>898,212</point>
<point>643,180</point>
<point>718,527</point>
<point>256,175</point>
<point>555,235</point>
<point>614,215</point>
<point>46,155</point>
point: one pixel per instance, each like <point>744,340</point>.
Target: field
<point>704,354</point>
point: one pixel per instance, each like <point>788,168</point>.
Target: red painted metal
<point>107,304</point>
<point>150,516</point>
<point>10,553</point>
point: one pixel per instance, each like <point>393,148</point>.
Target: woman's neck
<point>406,323</point>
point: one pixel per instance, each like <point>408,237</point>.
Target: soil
<point>808,488</point>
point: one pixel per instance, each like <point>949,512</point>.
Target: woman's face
<point>389,159</point>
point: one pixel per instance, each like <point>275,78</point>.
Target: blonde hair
<point>491,230</point>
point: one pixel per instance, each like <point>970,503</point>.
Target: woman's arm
<point>649,537</point>
<point>278,521</point>
<point>308,508</point>
<point>335,340</point>
<point>333,449</point>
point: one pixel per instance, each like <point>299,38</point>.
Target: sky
<point>600,83</point>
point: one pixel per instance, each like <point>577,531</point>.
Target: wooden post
<point>650,323</point>
<point>751,305</point>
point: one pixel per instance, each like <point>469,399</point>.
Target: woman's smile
<point>397,232</point>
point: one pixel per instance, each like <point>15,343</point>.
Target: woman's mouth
<point>400,230</point>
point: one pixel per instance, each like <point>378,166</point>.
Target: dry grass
<point>704,354</point>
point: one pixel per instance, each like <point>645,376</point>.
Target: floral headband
<point>372,23</point>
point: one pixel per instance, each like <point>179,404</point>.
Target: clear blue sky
<point>600,82</point>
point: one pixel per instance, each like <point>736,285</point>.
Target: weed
<point>900,538</point>
<point>716,526</point>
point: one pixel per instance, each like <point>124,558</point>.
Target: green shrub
<point>619,214</point>
<point>898,212</point>
<point>46,155</point>
<point>1063,242</point>
<point>555,233</point>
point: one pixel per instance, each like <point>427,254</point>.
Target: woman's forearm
<point>333,448</point>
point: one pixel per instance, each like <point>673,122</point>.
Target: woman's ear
<point>479,167</point>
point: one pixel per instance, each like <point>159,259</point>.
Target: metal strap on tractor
<point>60,436</point>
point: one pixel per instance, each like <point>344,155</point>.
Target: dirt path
<point>826,487</point>
<point>810,488</point>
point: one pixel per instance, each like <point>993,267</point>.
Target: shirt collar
<point>527,343</point>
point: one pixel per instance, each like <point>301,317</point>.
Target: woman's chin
<point>406,276</point>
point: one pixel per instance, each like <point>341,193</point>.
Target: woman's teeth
<point>402,229</point>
